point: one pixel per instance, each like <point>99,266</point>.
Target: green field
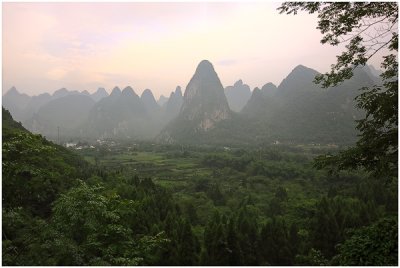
<point>222,179</point>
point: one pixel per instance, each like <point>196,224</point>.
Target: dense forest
<point>170,205</point>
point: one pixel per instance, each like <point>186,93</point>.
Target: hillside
<point>297,111</point>
<point>35,171</point>
<point>204,105</point>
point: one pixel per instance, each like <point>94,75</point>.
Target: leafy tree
<point>281,194</point>
<point>366,28</point>
<point>247,226</point>
<point>372,245</point>
<point>35,171</point>
<point>275,243</point>
<point>232,240</point>
<point>95,224</point>
<point>216,194</point>
<point>314,258</point>
<point>215,245</point>
<point>326,233</point>
<point>188,245</point>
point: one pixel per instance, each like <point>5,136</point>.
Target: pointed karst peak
<point>178,91</point>
<point>269,86</point>
<point>299,73</point>
<point>256,95</point>
<point>256,91</point>
<point>205,64</point>
<point>12,91</point>
<point>128,91</point>
<point>238,83</point>
<point>147,94</point>
<point>101,90</point>
<point>303,69</point>
<point>205,69</point>
<point>60,93</point>
<point>115,92</point>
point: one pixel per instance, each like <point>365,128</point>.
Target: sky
<point>84,46</point>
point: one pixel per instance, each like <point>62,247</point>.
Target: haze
<point>83,46</point>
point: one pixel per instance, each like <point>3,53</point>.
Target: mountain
<point>23,107</point>
<point>373,73</point>
<point>16,102</point>
<point>173,106</point>
<point>299,80</point>
<point>99,94</point>
<point>149,101</point>
<point>204,99</point>
<point>34,105</point>
<point>260,98</point>
<point>124,115</point>
<point>269,90</point>
<point>237,95</point>
<point>300,111</point>
<point>67,113</point>
<point>62,92</point>
<point>162,100</point>
<point>85,92</point>
<point>204,106</point>
<point>296,112</point>
<point>116,92</point>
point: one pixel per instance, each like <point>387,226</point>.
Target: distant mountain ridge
<point>62,114</point>
<point>295,111</point>
<point>22,106</point>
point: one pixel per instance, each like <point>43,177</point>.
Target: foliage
<point>35,171</point>
<point>96,225</point>
<point>155,206</point>
<point>376,244</point>
<point>366,28</point>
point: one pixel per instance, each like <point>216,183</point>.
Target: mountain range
<point>295,111</point>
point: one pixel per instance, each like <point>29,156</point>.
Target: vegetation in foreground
<point>163,205</point>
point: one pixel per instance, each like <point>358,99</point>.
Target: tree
<point>215,251</point>
<point>275,243</point>
<point>235,253</point>
<point>247,230</point>
<point>373,245</point>
<point>325,229</point>
<point>188,244</point>
<point>96,226</point>
<point>366,29</point>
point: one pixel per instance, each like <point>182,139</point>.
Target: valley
<point>192,182</point>
<point>200,134</point>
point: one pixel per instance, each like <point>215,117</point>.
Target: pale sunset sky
<point>83,46</point>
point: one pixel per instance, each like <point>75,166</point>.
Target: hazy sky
<point>83,46</point>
